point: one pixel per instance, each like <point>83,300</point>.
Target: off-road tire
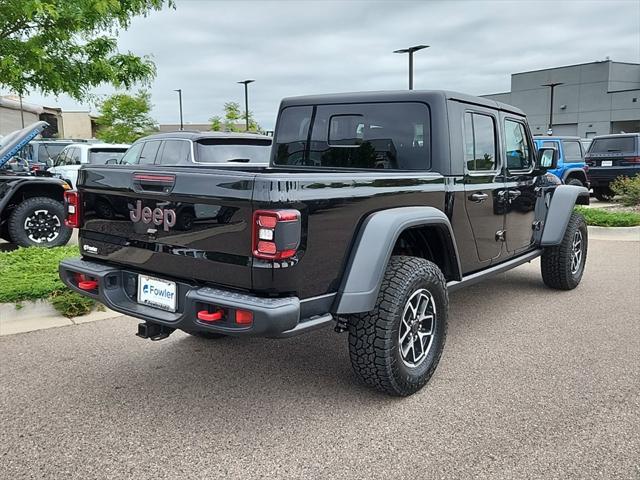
<point>374,336</point>
<point>16,222</point>
<point>603,194</point>
<point>575,181</point>
<point>556,261</point>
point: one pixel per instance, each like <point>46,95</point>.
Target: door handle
<point>478,197</point>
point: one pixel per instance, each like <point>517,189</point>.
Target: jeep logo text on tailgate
<point>158,216</point>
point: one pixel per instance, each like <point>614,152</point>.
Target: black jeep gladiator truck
<point>373,208</point>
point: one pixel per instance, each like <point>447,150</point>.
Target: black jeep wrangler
<point>374,207</point>
<point>31,207</point>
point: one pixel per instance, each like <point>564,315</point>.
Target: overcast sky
<point>306,47</point>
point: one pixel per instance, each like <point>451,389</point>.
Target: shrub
<point>71,304</point>
<point>604,218</point>
<point>628,189</point>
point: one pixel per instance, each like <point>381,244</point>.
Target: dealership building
<point>589,99</point>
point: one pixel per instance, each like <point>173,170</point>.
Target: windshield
<point>613,145</point>
<point>100,156</point>
<point>239,150</point>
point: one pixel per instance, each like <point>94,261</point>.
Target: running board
<point>489,272</point>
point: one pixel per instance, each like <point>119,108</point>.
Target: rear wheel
<point>575,181</point>
<point>39,222</point>
<point>396,347</point>
<point>562,265</point>
<point>603,194</point>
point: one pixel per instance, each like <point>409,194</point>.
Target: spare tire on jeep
<point>39,222</point>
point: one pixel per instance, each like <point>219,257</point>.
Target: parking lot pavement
<point>533,383</point>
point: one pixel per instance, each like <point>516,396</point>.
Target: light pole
<point>179,90</point>
<point>410,51</point>
<point>246,102</point>
<point>552,86</point>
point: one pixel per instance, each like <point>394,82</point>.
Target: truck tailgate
<point>190,223</point>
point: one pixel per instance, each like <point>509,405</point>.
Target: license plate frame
<point>157,293</point>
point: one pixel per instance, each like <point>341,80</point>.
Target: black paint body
<point>211,242</point>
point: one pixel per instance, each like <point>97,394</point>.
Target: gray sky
<point>305,47</point>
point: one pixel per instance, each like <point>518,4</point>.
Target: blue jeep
<point>572,168</point>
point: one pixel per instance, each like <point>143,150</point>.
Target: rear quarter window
<point>393,136</point>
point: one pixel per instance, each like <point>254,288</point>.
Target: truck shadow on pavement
<point>274,374</point>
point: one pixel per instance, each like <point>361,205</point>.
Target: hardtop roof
<point>427,96</point>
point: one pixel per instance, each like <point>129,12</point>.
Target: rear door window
<point>572,151</point>
<point>480,142</point>
<point>369,135</point>
<point>149,152</point>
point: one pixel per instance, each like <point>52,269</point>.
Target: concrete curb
<point>40,315</point>
<point>619,234</point>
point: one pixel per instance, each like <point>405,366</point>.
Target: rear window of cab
<point>393,136</point>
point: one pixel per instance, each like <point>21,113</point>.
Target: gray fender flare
<point>562,202</point>
<point>372,250</point>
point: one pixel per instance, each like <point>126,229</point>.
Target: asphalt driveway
<point>533,383</point>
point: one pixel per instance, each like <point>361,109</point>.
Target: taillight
<point>72,208</point>
<point>632,160</point>
<point>276,234</point>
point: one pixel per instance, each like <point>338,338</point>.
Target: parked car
<point>374,208</point>
<point>188,148</point>
<point>610,157</point>
<point>73,156</point>
<point>31,208</point>
<point>571,169</point>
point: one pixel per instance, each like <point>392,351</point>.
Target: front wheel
<point>39,222</point>
<point>562,265</point>
<point>396,347</point>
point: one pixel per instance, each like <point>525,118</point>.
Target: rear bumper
<point>603,176</point>
<point>117,289</point>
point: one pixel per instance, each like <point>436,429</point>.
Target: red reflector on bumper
<point>244,317</point>
<point>88,285</point>
<point>207,316</point>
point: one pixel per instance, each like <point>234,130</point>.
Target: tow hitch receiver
<point>153,331</point>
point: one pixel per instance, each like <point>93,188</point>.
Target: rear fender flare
<point>372,250</point>
<point>576,172</point>
<point>563,200</point>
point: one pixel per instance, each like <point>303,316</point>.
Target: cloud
<point>305,47</point>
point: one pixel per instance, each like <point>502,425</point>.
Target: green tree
<point>125,118</point>
<point>70,46</point>
<point>234,120</point>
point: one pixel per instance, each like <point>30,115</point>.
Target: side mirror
<point>548,158</point>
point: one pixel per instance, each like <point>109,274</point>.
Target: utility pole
<point>552,86</point>
<point>410,51</point>
<point>246,102</point>
<point>179,90</point>
<point>21,110</point>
